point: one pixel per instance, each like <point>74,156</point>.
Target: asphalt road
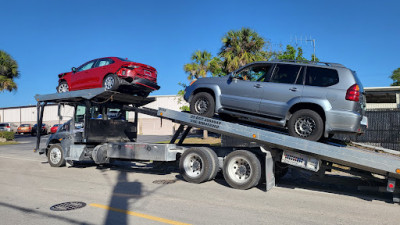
<point>136,193</point>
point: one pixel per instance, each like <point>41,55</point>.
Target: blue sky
<point>49,37</point>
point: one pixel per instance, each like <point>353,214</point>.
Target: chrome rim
<point>305,126</point>
<point>109,82</point>
<point>55,155</point>
<point>193,165</point>
<point>239,169</point>
<point>63,88</point>
<point>201,105</point>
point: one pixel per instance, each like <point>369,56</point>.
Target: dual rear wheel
<point>241,169</point>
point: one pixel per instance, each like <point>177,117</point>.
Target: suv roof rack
<point>309,62</point>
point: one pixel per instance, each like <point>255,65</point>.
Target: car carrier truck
<point>100,132</point>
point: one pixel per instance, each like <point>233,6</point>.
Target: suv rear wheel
<point>306,124</point>
<point>202,104</point>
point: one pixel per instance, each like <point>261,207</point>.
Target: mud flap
<point>269,171</point>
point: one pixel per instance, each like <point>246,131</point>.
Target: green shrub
<point>7,135</point>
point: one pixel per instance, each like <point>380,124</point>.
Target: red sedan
<point>113,74</point>
<point>54,128</point>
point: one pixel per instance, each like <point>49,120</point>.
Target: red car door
<point>82,79</point>
<point>101,69</point>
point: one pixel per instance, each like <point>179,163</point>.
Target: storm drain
<point>164,181</point>
<point>66,206</point>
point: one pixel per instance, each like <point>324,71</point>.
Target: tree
<point>292,54</point>
<point>199,67</point>
<point>242,47</point>
<point>395,77</point>
<point>8,72</point>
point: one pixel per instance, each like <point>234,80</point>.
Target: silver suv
<point>312,100</point>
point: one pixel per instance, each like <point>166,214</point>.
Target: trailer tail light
<point>353,93</point>
<point>391,185</point>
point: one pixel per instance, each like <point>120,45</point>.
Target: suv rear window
<point>321,77</point>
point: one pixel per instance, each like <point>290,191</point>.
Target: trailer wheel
<point>242,169</point>
<point>55,156</point>
<point>197,165</point>
<point>202,104</point>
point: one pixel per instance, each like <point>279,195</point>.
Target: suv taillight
<point>353,93</point>
<point>7,126</point>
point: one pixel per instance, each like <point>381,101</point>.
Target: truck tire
<point>99,154</point>
<point>55,156</point>
<point>306,124</point>
<point>202,104</point>
<point>196,165</point>
<point>214,161</point>
<point>242,169</point>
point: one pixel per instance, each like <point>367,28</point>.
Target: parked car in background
<point>311,100</point>
<point>44,129</point>
<point>54,128</point>
<point>24,128</point>
<point>112,73</point>
<point>12,127</point>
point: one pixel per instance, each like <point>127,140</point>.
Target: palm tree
<point>242,47</point>
<point>199,67</point>
<point>8,72</point>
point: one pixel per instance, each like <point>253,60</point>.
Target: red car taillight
<point>353,93</point>
<point>7,126</point>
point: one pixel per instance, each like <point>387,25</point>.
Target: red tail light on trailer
<point>353,93</point>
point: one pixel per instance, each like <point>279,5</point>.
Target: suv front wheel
<point>306,124</point>
<point>202,104</point>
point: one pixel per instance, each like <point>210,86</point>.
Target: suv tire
<point>306,124</point>
<point>202,104</point>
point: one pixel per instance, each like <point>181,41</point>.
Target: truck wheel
<point>242,169</point>
<point>110,82</point>
<point>214,161</point>
<point>306,124</point>
<point>62,87</point>
<point>196,165</point>
<point>202,104</point>
<point>99,154</point>
<point>56,156</point>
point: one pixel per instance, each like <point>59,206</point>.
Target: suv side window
<point>254,73</point>
<point>321,77</point>
<point>286,74</point>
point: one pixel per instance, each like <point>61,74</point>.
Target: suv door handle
<point>293,89</point>
<point>257,86</point>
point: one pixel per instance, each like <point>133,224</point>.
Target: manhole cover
<point>164,181</point>
<point>66,206</point>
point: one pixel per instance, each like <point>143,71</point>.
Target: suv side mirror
<point>73,69</point>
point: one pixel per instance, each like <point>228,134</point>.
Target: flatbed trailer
<point>242,167</point>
